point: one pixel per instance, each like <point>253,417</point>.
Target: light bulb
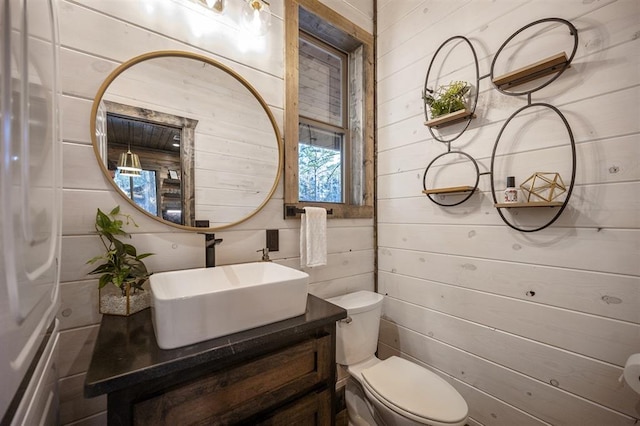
<point>216,5</point>
<point>256,17</point>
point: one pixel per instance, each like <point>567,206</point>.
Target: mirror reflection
<point>185,139</point>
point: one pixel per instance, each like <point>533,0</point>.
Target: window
<point>322,126</point>
<point>144,189</point>
<point>329,111</point>
<point>320,165</point>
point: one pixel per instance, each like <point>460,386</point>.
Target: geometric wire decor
<point>543,185</point>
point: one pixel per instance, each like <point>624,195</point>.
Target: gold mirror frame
<point>188,55</point>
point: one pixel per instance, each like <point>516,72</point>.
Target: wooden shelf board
<point>171,181</point>
<point>531,72</point>
<point>450,118</point>
<point>450,190</point>
<point>530,204</point>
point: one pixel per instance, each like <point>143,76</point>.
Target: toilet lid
<point>415,390</point>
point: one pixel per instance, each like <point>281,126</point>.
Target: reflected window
<point>141,189</point>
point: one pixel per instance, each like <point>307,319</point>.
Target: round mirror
<point>186,140</point>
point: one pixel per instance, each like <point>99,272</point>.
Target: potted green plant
<point>447,99</point>
<point>122,271</point>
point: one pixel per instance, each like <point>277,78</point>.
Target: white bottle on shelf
<point>511,193</point>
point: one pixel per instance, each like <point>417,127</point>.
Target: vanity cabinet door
<point>311,410</point>
<point>240,392</point>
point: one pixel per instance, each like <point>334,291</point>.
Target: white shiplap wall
<point>96,36</point>
<point>457,278</point>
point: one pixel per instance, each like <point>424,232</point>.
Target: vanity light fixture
<point>256,16</point>
<point>129,164</point>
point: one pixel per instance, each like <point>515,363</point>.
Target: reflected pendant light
<point>129,164</point>
<point>256,16</point>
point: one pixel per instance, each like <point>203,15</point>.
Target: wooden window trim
<point>292,27</point>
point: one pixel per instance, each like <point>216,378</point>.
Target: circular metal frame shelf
<point>475,102</point>
<point>471,191</point>
<point>572,30</point>
<point>573,166</point>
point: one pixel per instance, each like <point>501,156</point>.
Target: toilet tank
<point>357,336</point>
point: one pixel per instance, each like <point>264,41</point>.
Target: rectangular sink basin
<point>194,305</point>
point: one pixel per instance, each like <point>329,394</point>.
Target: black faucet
<point>210,243</point>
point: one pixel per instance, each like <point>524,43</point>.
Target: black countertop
<point>126,352</point>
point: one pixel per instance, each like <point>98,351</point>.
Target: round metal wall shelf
<point>460,190</point>
<point>573,166</point>
<point>553,66</point>
<point>471,112</point>
<point>558,67</point>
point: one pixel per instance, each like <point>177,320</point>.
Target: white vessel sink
<point>194,305</point>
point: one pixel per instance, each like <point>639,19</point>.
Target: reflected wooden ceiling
<point>123,130</point>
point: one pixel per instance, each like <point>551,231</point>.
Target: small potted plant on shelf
<point>122,273</point>
<point>447,99</point>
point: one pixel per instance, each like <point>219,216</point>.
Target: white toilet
<point>394,391</point>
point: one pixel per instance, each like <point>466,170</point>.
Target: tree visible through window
<point>141,189</point>
<point>320,167</point>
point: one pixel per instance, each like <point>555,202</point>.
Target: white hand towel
<point>313,237</point>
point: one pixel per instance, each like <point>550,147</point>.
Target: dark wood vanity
<point>279,374</point>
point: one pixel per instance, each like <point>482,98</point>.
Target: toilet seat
<point>414,392</point>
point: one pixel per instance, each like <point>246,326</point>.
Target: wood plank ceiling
<point>142,134</point>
